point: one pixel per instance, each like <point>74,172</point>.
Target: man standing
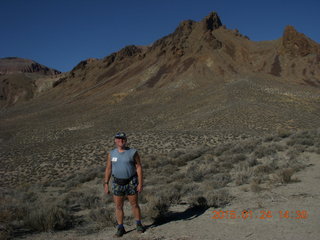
<point>125,166</point>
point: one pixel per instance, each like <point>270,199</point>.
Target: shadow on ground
<point>188,214</point>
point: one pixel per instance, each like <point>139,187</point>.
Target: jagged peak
<point>212,21</point>
<point>295,43</point>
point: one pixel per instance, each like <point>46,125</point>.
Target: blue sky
<point>61,33</point>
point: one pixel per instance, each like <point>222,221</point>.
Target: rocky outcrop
<point>18,79</point>
<point>84,63</point>
<point>211,22</point>
<point>297,44</point>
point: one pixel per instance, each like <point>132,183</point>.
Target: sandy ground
<point>303,195</point>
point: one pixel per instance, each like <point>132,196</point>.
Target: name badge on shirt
<point>114,159</point>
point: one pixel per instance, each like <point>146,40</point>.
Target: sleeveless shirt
<point>123,164</point>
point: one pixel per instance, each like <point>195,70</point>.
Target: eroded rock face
<point>297,44</point>
<point>17,79</point>
<point>212,22</point>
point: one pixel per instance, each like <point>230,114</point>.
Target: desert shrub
<point>238,157</point>
<point>179,162</point>
<point>245,147</point>
<point>284,175</point>
<point>175,154</point>
<point>198,202</point>
<point>157,207</point>
<point>48,217</point>
<point>174,193</point>
<point>189,156</point>
<point>314,149</point>
<point>189,189</point>
<point>216,198</point>
<point>90,201</point>
<point>102,217</point>
<point>241,178</point>
<point>252,161</point>
<point>243,172</point>
<point>284,133</point>
<point>220,149</point>
<point>85,199</point>
<point>168,170</point>
<point>195,173</point>
<point>305,141</point>
<point>158,161</point>
<point>96,220</point>
<point>208,157</point>
<point>142,197</point>
<point>80,177</point>
<point>225,165</point>
<point>262,169</point>
<point>91,174</point>
<point>220,180</point>
<point>263,151</point>
<point>171,192</point>
<point>178,177</point>
<point>300,148</point>
<point>277,147</point>
<point>269,138</point>
<point>255,187</point>
<point>210,169</point>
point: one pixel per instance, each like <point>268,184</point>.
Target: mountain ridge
<point>200,76</point>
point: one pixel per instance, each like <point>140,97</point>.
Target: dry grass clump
<point>306,140</point>
<point>80,177</point>
<point>284,133</point>
<point>255,187</point>
<point>216,198</point>
<point>87,199</point>
<point>98,219</point>
<point>157,207</point>
<point>263,151</point>
<point>283,176</point>
<point>47,217</point>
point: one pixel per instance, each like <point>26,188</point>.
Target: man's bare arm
<point>139,171</point>
<point>107,175</point>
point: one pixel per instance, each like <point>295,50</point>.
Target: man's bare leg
<point>118,200</point>
<point>133,199</point>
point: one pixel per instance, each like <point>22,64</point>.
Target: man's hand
<point>106,188</point>
<point>139,188</point>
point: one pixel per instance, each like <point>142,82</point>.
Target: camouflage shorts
<point>123,190</point>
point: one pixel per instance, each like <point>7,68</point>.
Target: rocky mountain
<point>12,65</point>
<point>19,79</point>
<point>198,53</point>
<point>203,77</point>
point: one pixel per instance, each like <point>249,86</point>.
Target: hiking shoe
<point>120,232</point>
<point>140,228</point>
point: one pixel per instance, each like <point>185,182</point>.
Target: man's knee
<point>134,204</point>
<point>119,207</point>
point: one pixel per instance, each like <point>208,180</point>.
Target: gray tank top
<point>123,165</point>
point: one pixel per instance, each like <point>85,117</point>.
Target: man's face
<point>120,142</point>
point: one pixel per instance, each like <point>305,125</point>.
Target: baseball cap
<point>120,135</point>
